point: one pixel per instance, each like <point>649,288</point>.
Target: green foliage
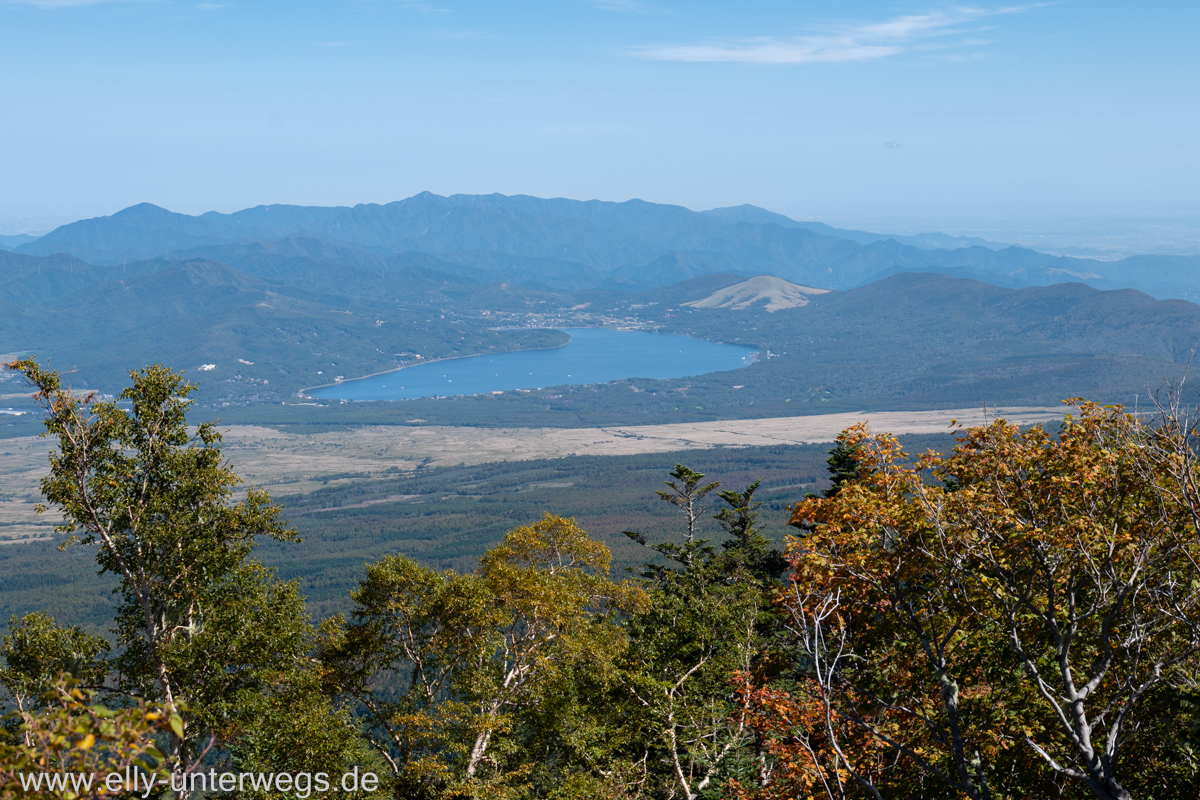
<point>708,622</point>
<point>296,729</point>
<point>687,494</point>
<point>683,707</point>
<point>747,549</point>
<point>36,651</point>
<point>457,674</point>
<point>198,625</point>
<point>924,639</point>
<point>72,735</point>
<point>846,465</point>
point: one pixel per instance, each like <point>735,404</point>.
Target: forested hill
<point>572,244</point>
<point>270,338</point>
<point>908,341</point>
<point>911,340</point>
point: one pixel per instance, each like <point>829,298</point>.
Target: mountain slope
<point>297,316</point>
<point>265,339</point>
<point>926,341</point>
<point>911,341</point>
<point>29,279</point>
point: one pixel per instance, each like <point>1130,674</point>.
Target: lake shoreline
<point>304,392</point>
<point>589,356</point>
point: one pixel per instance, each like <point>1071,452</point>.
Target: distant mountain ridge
<point>603,236</point>
<point>925,241</point>
<point>569,245</point>
<point>13,242</point>
<point>148,231</point>
<point>33,279</point>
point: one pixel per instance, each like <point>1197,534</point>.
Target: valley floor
<point>290,463</point>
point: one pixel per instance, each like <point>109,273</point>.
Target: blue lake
<point>593,355</point>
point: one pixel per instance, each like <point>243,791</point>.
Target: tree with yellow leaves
<point>71,747</point>
<point>1014,624</point>
<point>459,675</point>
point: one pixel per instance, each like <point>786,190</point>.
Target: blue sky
<point>816,109</point>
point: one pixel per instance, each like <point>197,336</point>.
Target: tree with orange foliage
<point>1007,628</point>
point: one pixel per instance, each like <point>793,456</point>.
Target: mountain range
<point>570,245</point>
<point>260,304</point>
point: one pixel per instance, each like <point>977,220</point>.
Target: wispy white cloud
<point>843,43</point>
<point>59,3</point>
<point>213,6</point>
<point>420,6</point>
<point>464,34</point>
<point>624,6</point>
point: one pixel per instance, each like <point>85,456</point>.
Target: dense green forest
<point>1015,616</point>
<point>446,517</point>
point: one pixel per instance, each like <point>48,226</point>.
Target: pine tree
<point>845,466</point>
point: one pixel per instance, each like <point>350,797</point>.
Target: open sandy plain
<point>287,463</point>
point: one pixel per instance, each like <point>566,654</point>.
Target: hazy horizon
<point>1099,236</point>
<point>842,112</point>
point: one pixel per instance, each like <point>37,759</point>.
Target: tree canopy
<point>1015,628</point>
<point>1016,618</point>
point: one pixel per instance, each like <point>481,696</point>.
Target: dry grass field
<point>286,463</point>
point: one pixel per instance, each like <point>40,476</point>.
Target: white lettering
<point>113,781</point>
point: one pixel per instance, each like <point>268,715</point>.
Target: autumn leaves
<point>1018,615</point>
